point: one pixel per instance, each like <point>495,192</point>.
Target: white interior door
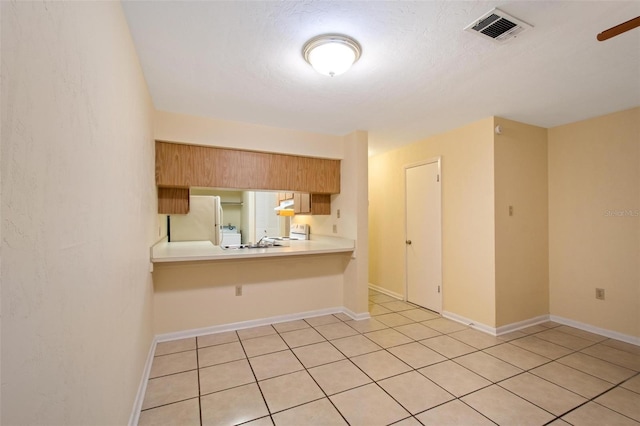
<point>424,235</point>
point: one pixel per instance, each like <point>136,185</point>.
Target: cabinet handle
<point>408,242</point>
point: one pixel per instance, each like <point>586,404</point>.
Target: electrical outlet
<point>335,229</point>
<point>338,213</point>
<point>510,210</point>
<point>600,293</point>
<point>238,290</point>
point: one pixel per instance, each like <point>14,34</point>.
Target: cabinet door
<point>320,204</point>
<point>173,200</point>
<point>305,203</point>
<point>302,203</point>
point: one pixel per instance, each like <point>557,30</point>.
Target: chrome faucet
<point>260,244</point>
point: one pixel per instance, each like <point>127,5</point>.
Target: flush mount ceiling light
<point>331,54</point>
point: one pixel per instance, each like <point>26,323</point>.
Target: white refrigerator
<point>202,223</point>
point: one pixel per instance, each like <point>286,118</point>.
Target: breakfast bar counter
<point>197,251</point>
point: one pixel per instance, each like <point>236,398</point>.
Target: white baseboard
<point>469,322</point>
<point>539,320</point>
<point>521,324</point>
<point>248,324</point>
<point>357,317</point>
<point>597,330</point>
<point>387,292</point>
<point>493,330</point>
<point>142,387</point>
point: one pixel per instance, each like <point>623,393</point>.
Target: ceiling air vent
<point>497,26</point>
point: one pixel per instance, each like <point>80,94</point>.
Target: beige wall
<point>522,246</point>
<point>353,221</point>
<point>183,128</point>
<point>78,215</point>
<point>468,218</point>
<point>202,295</point>
<point>594,228</point>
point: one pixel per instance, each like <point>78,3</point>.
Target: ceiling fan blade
<point>619,29</point>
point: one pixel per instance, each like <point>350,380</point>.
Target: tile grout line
<point>304,368</point>
<point>310,375</point>
<point>168,403</point>
<point>598,396</point>
<point>254,376</point>
<point>347,358</point>
<point>455,398</point>
<point>289,348</point>
<point>167,375</point>
<point>412,369</point>
<point>199,389</point>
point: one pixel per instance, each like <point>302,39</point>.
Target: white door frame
<point>432,160</point>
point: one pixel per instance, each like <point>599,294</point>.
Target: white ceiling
<point>420,74</point>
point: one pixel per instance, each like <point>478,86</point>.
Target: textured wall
<point>78,214</point>
<point>594,221</point>
<point>184,128</point>
<point>354,220</point>
<point>522,240</point>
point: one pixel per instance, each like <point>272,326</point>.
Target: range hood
<point>285,205</point>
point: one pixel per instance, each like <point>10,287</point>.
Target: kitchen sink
<point>251,246</point>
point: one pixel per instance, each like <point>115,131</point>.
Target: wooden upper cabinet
<point>320,204</point>
<point>301,203</point>
<point>173,200</point>
<point>184,166</point>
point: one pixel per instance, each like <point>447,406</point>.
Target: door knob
<point>408,242</point>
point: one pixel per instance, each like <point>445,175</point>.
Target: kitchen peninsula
<point>199,290</point>
<point>199,287</point>
<point>190,251</point>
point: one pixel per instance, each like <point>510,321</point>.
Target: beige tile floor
<point>404,366</point>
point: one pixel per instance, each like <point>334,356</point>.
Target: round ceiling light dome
<point>331,54</point>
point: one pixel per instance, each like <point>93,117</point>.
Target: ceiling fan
<point>619,29</point>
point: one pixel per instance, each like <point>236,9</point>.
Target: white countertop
<point>190,251</point>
